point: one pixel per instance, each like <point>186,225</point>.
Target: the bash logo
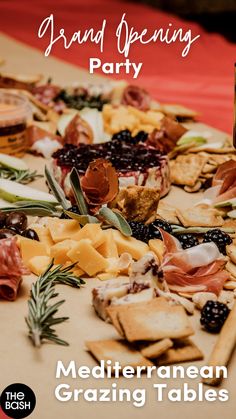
<point>17,401</point>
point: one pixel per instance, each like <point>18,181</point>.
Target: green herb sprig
<point>20,176</point>
<point>41,314</point>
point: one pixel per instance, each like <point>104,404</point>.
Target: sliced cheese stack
<point>93,250</point>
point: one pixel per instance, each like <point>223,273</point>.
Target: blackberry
<point>213,316</point>
<point>154,232</point>
<point>220,238</point>
<point>140,231</point>
<point>187,240</point>
<point>141,136</point>
<point>73,209</point>
<point>124,135</point>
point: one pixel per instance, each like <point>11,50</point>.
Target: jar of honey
<point>15,110</point>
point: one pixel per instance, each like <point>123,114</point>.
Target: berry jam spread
<point>123,156</point>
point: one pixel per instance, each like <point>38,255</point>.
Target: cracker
<point>182,351</point>
<point>200,216</point>
<point>153,321</point>
<point>138,203</point>
<point>167,212</point>
<point>186,169</point>
<point>117,350</point>
<point>113,310</point>
<point>195,188</point>
<point>156,349</point>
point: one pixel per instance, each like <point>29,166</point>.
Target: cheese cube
<point>108,248</point>
<point>43,234</point>
<point>59,251</point>
<point>38,264</point>
<point>87,257</point>
<point>62,229</point>
<point>91,231</point>
<point>30,248</point>
<point>157,247</point>
<point>134,247</point>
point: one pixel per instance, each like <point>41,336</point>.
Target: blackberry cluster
<point>219,237</point>
<point>187,240</point>
<point>213,316</point>
<point>122,154</point>
<point>140,231</point>
<point>146,232</point>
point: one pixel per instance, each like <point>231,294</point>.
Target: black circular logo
<point>17,401</point>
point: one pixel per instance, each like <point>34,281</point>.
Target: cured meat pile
<point>11,269</point>
<point>200,268</point>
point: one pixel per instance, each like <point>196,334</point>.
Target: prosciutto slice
<point>199,268</point>
<point>223,183</point>
<point>11,269</point>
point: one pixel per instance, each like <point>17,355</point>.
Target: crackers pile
<point>193,170</point>
<point>201,215</point>
<point>154,332</point>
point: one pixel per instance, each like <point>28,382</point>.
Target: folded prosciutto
<point>11,269</point>
<point>223,183</point>
<point>200,268</point>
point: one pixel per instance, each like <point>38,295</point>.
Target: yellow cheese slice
<point>30,248</point>
<point>108,248</point>
<point>157,247</point>
<point>92,232</point>
<point>38,264</point>
<point>62,229</point>
<point>87,257</point>
<point>105,276</point>
<point>135,247</point>
<point>59,251</point>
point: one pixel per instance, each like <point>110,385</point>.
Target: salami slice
<point>11,269</point>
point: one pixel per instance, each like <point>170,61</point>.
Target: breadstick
<point>224,347</point>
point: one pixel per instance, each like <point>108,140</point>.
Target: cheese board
<point>84,327</point>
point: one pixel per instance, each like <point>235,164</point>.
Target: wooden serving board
<point>21,362</point>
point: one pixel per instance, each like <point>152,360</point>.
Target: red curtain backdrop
<point>203,80</point>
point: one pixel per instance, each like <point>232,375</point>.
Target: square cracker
<point>186,169</point>
<point>117,350</point>
<point>114,310</point>
<point>156,349</point>
<point>154,321</point>
<point>200,216</point>
<point>182,351</point>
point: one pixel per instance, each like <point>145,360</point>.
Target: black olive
<point>6,233</point>
<point>17,220</point>
<point>3,216</point>
<point>30,234</point>
<point>15,230</point>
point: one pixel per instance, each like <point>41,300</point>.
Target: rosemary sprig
<point>20,176</point>
<point>41,314</point>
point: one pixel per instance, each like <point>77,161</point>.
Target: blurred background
<point>214,15</point>
<point>203,81</point>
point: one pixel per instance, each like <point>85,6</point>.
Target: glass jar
<point>15,110</point>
